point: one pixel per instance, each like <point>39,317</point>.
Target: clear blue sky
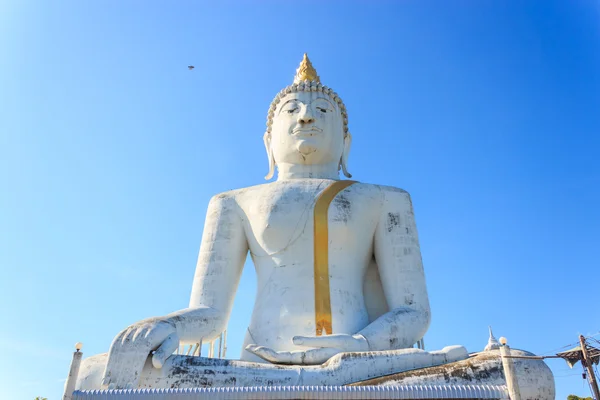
<point>487,112</point>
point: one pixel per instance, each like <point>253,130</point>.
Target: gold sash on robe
<point>321,250</point>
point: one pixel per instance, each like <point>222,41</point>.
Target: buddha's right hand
<point>130,349</point>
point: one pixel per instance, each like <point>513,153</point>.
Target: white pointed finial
<point>493,343</point>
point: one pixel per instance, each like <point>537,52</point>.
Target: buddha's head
<point>307,124</point>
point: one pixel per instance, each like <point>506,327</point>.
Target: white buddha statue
<point>338,270</point>
<point>319,246</point>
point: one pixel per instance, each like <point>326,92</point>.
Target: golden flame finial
<point>306,71</point>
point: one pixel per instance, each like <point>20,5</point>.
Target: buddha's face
<point>307,129</point>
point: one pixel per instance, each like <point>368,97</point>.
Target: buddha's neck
<point>296,171</point>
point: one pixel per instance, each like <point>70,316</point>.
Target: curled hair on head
<point>307,86</point>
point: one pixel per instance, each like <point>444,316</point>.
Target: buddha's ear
<point>345,153</point>
<point>267,140</point>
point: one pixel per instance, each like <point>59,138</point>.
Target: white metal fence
<point>304,392</point>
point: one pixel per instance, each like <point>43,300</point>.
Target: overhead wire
<point>561,348</point>
<point>574,344</point>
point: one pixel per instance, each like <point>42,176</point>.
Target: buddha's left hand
<point>324,347</point>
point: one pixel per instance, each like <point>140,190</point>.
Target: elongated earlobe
<point>345,153</point>
<point>267,141</point>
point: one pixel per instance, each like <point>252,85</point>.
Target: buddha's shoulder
<point>250,190</point>
<point>385,191</point>
<point>390,197</point>
<point>237,194</point>
<point>267,189</point>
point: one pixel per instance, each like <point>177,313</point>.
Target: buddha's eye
<point>323,110</point>
<point>291,110</point>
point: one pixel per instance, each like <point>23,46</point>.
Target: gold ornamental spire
<point>306,71</point>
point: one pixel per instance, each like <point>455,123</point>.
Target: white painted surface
<point>509,373</point>
<point>274,221</point>
<point>73,374</point>
<point>534,377</point>
<point>345,368</point>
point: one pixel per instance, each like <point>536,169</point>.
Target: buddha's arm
<point>398,257</point>
<point>222,253</point>
<point>220,263</point>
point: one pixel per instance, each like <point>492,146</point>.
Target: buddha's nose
<point>305,117</point>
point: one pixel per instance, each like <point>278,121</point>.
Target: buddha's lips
<point>306,132</point>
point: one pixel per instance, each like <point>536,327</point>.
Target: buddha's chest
<point>281,216</point>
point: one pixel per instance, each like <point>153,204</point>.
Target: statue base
<point>534,377</point>
<point>449,369</point>
<point>199,372</point>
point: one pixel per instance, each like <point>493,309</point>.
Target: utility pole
<point>588,364</point>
